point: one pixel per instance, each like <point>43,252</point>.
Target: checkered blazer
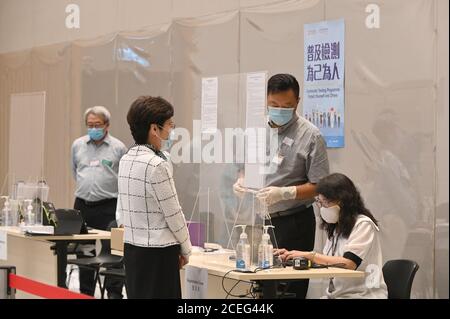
<point>147,203</point>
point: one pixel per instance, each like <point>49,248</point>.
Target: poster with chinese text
<point>323,87</point>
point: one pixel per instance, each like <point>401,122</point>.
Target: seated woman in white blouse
<point>352,240</point>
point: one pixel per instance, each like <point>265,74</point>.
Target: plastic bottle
<point>14,212</point>
<point>265,249</point>
<point>243,251</point>
<point>29,215</point>
<point>269,250</point>
<point>6,212</point>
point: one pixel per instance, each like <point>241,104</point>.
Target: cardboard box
<point>117,239</point>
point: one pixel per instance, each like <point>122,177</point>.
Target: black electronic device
<point>65,221</point>
<point>301,263</point>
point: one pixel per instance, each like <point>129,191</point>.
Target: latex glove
<point>238,189</point>
<point>273,194</point>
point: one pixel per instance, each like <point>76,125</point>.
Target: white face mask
<point>167,144</point>
<point>330,214</point>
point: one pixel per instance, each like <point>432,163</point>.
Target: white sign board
<point>196,282</point>
<point>256,123</point>
<point>209,105</point>
<point>256,100</point>
<point>3,245</point>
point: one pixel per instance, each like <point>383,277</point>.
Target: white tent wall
<point>442,154</point>
<point>30,23</point>
<point>396,92</point>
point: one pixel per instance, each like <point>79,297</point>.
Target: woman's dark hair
<point>282,83</point>
<point>144,111</point>
<point>338,187</point>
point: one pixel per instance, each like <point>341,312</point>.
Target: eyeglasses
<point>172,126</point>
<point>321,203</point>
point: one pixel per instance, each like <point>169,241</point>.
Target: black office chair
<point>118,273</point>
<point>399,276</point>
<point>104,259</point>
<point>74,249</point>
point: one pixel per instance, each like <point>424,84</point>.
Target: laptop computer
<point>65,221</point>
<point>69,222</point>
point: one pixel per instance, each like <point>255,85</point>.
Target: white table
<point>43,258</point>
<point>266,279</point>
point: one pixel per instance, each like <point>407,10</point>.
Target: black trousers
<point>152,273</point>
<point>296,232</point>
<point>97,215</point>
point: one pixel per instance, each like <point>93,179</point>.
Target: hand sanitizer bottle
<point>243,251</point>
<point>265,249</point>
<point>29,215</point>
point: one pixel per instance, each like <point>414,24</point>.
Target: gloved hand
<point>238,189</point>
<point>273,194</point>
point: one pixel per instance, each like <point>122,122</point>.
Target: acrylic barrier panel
<point>200,48</point>
<point>218,174</point>
<point>37,70</point>
<point>26,204</point>
<point>26,127</point>
<point>222,150</point>
<point>51,72</point>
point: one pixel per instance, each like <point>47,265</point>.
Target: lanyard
<point>158,153</point>
<point>333,247</point>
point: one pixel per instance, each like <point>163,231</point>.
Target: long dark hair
<point>338,187</point>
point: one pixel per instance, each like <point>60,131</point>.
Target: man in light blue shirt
<point>95,164</point>
<point>95,159</point>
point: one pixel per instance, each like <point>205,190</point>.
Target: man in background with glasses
<point>95,164</point>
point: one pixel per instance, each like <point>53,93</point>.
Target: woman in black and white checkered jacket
<point>156,237</point>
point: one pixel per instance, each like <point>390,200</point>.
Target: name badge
<point>288,141</point>
<point>107,163</point>
<point>94,163</point>
<point>277,159</point>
